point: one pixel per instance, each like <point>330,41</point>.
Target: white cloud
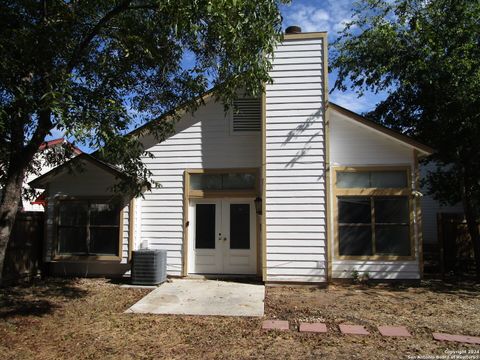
<point>330,15</point>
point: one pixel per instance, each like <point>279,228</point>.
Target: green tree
<point>426,55</point>
<point>95,68</point>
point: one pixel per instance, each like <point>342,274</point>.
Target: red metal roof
<point>55,142</point>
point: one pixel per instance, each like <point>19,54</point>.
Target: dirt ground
<point>84,319</point>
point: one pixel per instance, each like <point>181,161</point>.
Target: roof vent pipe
<point>294,29</point>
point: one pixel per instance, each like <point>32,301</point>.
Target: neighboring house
<point>291,188</point>
<point>430,210</point>
<point>38,203</point>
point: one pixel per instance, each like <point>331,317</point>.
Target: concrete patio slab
<point>275,325</point>
<point>203,297</point>
<point>458,338</point>
<point>394,331</point>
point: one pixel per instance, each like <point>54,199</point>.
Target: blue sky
<point>330,16</point>
<point>320,15</point>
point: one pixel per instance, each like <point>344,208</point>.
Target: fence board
<point>23,258</point>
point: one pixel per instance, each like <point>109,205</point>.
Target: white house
<point>291,188</point>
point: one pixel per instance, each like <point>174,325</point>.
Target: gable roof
<point>42,180</point>
<point>395,135</point>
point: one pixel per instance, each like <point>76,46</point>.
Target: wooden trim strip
<point>306,36</point>
<point>186,189</point>
<point>131,228</point>
<point>328,186</point>
<point>418,214</point>
<point>263,226</point>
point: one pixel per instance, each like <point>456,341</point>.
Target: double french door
<point>222,237</point>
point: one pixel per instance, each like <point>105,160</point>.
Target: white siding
<point>354,144</point>
<point>295,169</point>
<point>201,141</point>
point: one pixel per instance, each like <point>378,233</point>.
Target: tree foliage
<point>95,69</point>
<point>426,54</point>
<point>98,68</point>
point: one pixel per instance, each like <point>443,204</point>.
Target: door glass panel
<point>205,226</point>
<point>239,226</point>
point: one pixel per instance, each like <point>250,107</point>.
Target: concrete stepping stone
<point>458,338</point>
<point>393,331</point>
<point>275,325</point>
<point>353,329</point>
<point>313,327</point>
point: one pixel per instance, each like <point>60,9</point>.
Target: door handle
<point>225,238</point>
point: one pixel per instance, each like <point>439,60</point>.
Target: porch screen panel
<point>205,226</point>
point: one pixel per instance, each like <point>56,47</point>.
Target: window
<point>88,228</point>
<point>371,179</point>
<point>223,181</point>
<point>246,115</point>
<point>373,226</point>
<point>373,213</point>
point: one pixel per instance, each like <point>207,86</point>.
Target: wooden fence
<point>456,248</point>
<point>23,258</point>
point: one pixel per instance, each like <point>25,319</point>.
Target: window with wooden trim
<point>246,115</point>
<point>88,228</point>
<point>373,214</point>
<point>223,181</point>
<point>370,225</point>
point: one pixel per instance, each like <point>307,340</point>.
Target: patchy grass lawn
<point>83,318</point>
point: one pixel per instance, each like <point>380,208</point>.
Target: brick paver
<point>394,331</point>
<point>353,329</point>
<point>313,327</point>
<point>275,325</point>
<point>457,338</point>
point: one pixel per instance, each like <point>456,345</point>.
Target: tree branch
<point>77,53</point>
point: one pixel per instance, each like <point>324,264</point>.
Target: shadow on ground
<point>37,298</point>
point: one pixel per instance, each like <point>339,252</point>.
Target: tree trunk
<point>9,207</point>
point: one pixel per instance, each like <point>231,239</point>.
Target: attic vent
<point>247,115</point>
